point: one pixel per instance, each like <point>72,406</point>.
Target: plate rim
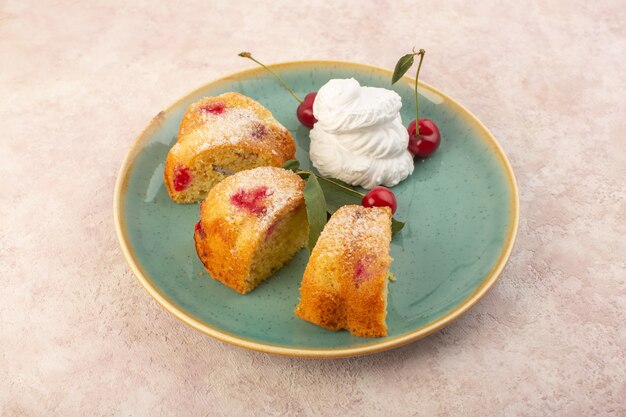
<point>121,185</point>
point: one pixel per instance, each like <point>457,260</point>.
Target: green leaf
<point>402,67</point>
<point>315,209</point>
<point>396,226</point>
<point>292,165</point>
<point>303,174</point>
<point>345,184</point>
<point>339,193</point>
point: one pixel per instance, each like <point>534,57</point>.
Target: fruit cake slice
<point>250,225</point>
<point>219,136</point>
<point>345,282</point>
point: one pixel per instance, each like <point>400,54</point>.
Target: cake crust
<point>345,282</point>
<point>250,225</point>
<point>219,136</point>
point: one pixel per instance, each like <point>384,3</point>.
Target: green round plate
<point>460,206</point>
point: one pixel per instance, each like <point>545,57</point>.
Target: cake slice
<point>345,282</point>
<point>250,225</point>
<point>219,136</point>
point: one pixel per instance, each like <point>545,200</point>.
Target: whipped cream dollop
<point>359,137</point>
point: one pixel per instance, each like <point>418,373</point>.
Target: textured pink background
<point>78,334</point>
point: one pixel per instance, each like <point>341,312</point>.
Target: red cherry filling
<point>362,270</point>
<point>428,140</point>
<point>258,131</point>
<point>380,196</point>
<point>272,228</point>
<point>253,201</point>
<point>199,230</point>
<point>305,111</point>
<point>213,108</point>
<point>182,178</point>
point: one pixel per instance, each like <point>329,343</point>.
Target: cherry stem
<point>330,180</point>
<point>249,56</point>
<point>421,53</point>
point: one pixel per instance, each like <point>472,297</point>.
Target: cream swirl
<point>359,137</point>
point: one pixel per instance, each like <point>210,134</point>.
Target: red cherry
<point>199,230</point>
<point>258,131</point>
<point>253,201</point>
<point>213,108</point>
<point>182,178</point>
<point>380,196</point>
<point>427,142</point>
<point>305,111</point>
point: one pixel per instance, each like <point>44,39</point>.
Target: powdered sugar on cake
<point>357,226</point>
<point>232,126</point>
<point>264,192</point>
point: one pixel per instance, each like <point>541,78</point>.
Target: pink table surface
<point>79,336</point>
